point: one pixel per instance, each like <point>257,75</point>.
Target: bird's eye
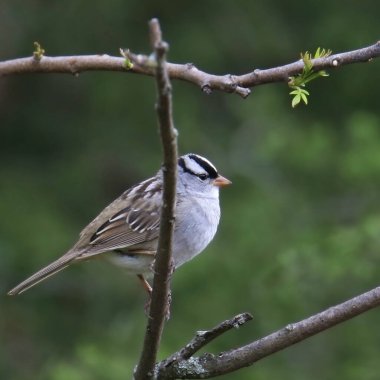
<point>202,176</point>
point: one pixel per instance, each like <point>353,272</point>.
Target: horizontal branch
<point>209,365</point>
<point>142,64</point>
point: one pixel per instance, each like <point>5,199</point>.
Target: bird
<point>126,231</point>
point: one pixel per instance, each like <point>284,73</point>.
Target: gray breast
<point>195,231</point>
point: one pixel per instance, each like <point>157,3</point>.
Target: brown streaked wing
<point>134,224</point>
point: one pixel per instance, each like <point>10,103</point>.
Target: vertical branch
<point>161,282</point>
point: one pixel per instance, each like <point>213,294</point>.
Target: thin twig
<point>142,64</point>
<point>208,365</point>
<point>159,307</point>
<point>202,338</point>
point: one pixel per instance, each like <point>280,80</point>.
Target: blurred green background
<point>300,227</point>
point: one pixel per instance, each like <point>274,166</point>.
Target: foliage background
<point>300,226</point>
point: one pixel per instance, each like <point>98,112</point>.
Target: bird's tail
<point>42,274</point>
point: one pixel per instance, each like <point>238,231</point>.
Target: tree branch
<point>208,365</point>
<point>182,364</point>
<point>159,307</point>
<point>142,64</point>
<point>202,338</point>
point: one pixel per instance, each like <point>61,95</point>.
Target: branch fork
<point>183,365</point>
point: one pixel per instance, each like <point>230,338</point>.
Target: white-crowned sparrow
<point>127,230</point>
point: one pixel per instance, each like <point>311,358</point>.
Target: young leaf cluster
<point>298,82</point>
<point>128,64</point>
<point>38,52</point>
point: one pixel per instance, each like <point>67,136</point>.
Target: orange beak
<point>221,181</point>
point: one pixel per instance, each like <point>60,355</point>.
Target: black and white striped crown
<point>197,165</point>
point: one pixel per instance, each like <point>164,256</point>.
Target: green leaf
<point>308,63</point>
<point>304,98</point>
<point>298,81</point>
<point>296,100</point>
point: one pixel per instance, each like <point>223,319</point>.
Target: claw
<point>145,284</point>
